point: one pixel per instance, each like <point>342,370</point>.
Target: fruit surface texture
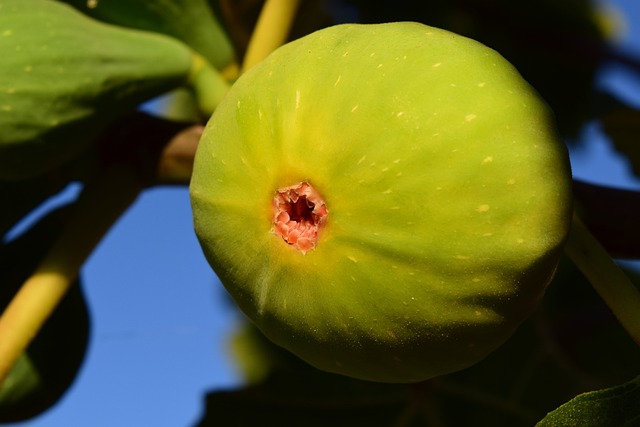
<point>425,175</point>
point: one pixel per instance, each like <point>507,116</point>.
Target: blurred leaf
<point>49,366</point>
<point>623,126</point>
<point>258,358</point>
<point>46,371</point>
<point>613,407</point>
<point>68,76</point>
<point>19,198</point>
<point>191,21</point>
<point>254,358</point>
<point>310,398</point>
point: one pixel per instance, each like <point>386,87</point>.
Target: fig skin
<point>447,190</point>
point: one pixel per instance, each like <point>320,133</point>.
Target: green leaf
<point>67,76</point>
<point>191,21</point>
<point>48,367</point>
<point>612,407</point>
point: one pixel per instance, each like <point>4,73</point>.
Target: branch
<point>271,31</point>
<point>612,216</point>
<point>613,286</point>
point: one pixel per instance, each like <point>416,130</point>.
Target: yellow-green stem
<point>208,85</point>
<point>271,30</point>
<point>611,283</point>
<point>100,205</point>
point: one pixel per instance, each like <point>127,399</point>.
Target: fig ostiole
<point>299,213</point>
<point>388,202</point>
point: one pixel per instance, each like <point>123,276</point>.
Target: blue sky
<point>161,320</point>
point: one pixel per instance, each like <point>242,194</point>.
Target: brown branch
<point>611,214</point>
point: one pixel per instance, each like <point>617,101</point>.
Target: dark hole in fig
<point>302,210</point>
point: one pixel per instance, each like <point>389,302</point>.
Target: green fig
<point>388,201</point>
<point>64,76</point>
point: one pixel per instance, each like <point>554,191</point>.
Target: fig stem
<point>271,30</point>
<point>208,85</point>
<point>102,202</point>
<point>607,278</point>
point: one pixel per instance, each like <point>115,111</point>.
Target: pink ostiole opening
<point>299,213</point>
